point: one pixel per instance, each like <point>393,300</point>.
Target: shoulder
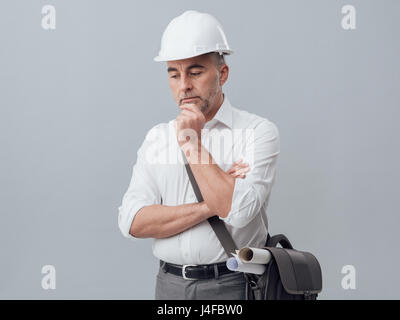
<point>263,126</point>
<point>157,130</point>
<point>154,136</point>
<point>158,133</point>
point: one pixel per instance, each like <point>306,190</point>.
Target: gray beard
<point>204,107</point>
<point>206,103</point>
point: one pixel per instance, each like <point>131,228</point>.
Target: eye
<point>195,73</point>
<point>174,76</point>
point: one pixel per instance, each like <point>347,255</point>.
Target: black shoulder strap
<point>216,223</point>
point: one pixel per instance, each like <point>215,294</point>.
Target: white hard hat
<point>192,34</point>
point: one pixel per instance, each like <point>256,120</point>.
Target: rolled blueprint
<point>234,264</point>
<point>254,255</point>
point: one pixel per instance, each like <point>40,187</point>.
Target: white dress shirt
<point>159,177</point>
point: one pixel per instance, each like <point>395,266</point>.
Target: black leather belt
<point>196,272</point>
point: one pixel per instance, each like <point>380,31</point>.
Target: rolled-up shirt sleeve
<point>142,190</point>
<point>250,193</point>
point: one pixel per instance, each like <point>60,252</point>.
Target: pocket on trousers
<point>232,280</point>
<point>167,288</point>
<point>231,286</point>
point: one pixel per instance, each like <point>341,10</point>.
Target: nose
<point>185,84</point>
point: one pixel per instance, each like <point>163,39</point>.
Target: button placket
<point>185,245</point>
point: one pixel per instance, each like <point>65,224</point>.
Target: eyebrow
<point>192,66</point>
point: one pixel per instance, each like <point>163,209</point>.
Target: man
<point>160,202</point>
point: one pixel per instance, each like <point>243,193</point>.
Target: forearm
<point>216,186</point>
<point>161,221</point>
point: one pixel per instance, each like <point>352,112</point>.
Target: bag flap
<point>300,272</point>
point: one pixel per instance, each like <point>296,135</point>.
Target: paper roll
<point>254,255</point>
<point>234,264</point>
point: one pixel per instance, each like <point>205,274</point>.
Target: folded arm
<point>142,215</point>
<point>237,201</point>
<point>161,221</point>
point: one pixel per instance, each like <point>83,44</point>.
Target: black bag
<point>290,275</point>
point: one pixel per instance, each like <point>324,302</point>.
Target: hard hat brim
<point>161,58</point>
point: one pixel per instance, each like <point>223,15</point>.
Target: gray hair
<point>218,58</point>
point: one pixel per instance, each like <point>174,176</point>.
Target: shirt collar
<point>224,114</point>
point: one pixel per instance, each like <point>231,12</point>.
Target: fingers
<point>235,168</point>
<point>241,176</point>
<point>189,106</point>
<point>238,164</point>
<point>231,169</point>
<point>186,113</point>
<point>239,169</point>
<point>192,108</point>
<point>241,172</point>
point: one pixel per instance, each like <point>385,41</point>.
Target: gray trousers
<point>229,286</point>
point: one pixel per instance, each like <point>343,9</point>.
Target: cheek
<point>206,87</point>
<point>201,85</point>
<point>173,88</point>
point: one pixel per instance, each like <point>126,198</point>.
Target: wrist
<point>197,154</point>
<point>205,210</point>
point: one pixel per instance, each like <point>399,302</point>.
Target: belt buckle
<point>184,269</point>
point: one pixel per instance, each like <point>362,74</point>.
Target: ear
<point>224,73</point>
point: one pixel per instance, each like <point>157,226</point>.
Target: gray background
<point>76,103</point>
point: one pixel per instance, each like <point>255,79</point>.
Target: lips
<point>188,100</point>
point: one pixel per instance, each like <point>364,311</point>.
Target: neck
<point>215,109</point>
